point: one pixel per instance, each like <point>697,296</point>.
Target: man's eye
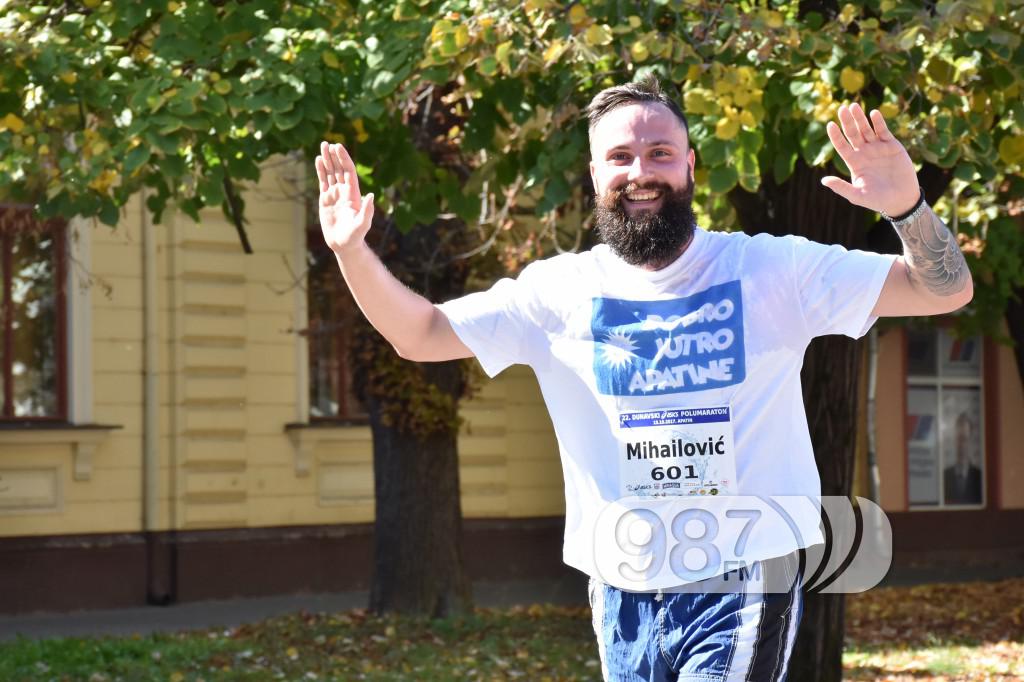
<point>660,152</point>
<point>620,157</point>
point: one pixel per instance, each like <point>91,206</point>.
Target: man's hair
<point>646,90</point>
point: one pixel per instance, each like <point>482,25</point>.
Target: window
<point>331,314</point>
<point>944,420</point>
<point>32,317</point>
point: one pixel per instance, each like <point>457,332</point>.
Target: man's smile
<point>643,199</point>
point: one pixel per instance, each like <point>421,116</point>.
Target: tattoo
<point>932,253</point>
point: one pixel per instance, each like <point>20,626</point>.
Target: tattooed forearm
<point>933,256</point>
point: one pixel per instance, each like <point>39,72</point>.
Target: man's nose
<point>638,170</point>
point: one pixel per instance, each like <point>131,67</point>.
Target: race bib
<point>683,451</point>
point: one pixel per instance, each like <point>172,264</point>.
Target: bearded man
<point>669,359</point>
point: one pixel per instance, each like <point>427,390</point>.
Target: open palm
<point>345,215</point>
<point>882,176</point>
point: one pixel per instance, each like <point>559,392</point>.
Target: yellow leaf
<point>773,19</point>
<point>330,59</point>
<point>941,71</point>
<point>69,77</point>
<point>173,7</point>
<point>597,34</point>
<point>727,128</point>
<point>177,677</point>
<point>553,52</point>
<point>747,120</point>
<point>695,102</point>
<point>888,110</point>
<point>501,54</point>
<point>639,52</point>
<point>12,123</point>
<point>577,14</point>
<point>462,36</point>
<point>222,87</point>
<point>1011,149</point>
<point>693,73</point>
<point>848,14</point>
<point>361,134</point>
<point>635,21</point>
<point>292,653</point>
<point>851,79</point>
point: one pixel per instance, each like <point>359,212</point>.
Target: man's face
<point>642,170</point>
<point>640,144</point>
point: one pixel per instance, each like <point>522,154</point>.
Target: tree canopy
<point>102,98</point>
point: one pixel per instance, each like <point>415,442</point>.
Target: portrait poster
<point>963,465</point>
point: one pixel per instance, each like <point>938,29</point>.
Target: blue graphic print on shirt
<point>678,345</point>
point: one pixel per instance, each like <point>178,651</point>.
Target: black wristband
<point>904,216</point>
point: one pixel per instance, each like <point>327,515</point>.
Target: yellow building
<point>168,433</point>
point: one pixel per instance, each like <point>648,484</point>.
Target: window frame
<point>354,415</point>
<point>60,230</point>
<point>983,384</point>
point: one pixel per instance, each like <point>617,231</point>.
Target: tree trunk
<point>413,410</point>
<point>418,528</point>
<point>803,207</point>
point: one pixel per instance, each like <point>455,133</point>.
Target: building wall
<point>231,376</point>
<point>1010,421</point>
<point>890,421</point>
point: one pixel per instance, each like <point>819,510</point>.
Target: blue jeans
<point>723,629</point>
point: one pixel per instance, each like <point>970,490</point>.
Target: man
<point>962,480</point>
<point>669,358</point>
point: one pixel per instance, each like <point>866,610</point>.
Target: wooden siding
<point>227,386</point>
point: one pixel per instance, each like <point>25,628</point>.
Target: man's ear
<point>593,178</point>
<point>691,159</point>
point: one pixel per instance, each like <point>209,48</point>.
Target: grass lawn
<point>938,632</point>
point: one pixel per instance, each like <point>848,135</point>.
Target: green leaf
<point>556,193</point>
<point>136,158</point>
<point>288,119</point>
<point>722,179</point>
<point>783,164</point>
<point>215,104</point>
<point>109,213</point>
<point>715,152</point>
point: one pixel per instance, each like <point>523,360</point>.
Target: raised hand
<point>882,176</point>
<point>345,215</point>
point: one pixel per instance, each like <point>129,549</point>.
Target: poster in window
<point>961,446</point>
<point>959,357</point>
<point>922,445</point>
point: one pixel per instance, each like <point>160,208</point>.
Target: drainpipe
<point>873,475</point>
<point>159,586</point>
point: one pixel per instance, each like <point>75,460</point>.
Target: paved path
<point>227,613</point>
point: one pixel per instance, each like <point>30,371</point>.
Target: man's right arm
<point>414,327</point>
<point>412,324</point>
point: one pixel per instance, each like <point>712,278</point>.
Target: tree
<point>466,118</point>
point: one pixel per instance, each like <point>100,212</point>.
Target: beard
<point>649,238</point>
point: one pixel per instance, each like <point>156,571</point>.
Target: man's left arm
<point>931,277</point>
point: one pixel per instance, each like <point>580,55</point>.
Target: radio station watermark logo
<point>678,345</point>
<point>729,543</point>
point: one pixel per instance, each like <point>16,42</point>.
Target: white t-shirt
<point>637,366</point>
